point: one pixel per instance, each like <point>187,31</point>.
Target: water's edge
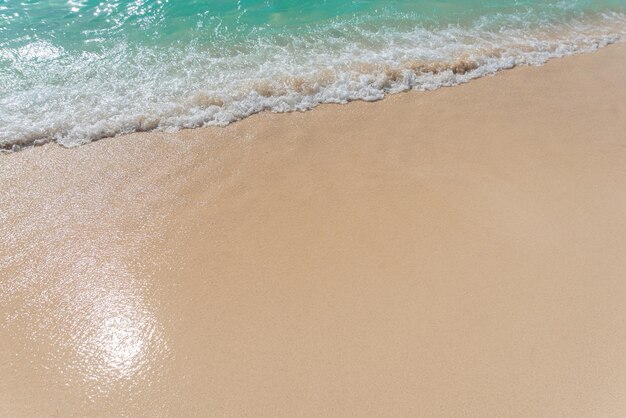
<point>413,75</point>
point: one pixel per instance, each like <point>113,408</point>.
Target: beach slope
<point>460,252</point>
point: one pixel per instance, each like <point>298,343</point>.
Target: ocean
<point>75,71</point>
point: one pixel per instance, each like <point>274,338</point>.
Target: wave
<point>85,96</point>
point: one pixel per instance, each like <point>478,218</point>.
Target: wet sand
<point>452,253</point>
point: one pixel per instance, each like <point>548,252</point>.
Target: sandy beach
<point>460,252</point>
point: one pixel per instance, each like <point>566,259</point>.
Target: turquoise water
<point>76,71</point>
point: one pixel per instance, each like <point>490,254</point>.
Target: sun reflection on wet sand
<point>117,335</point>
<point>91,326</point>
<point>77,313</point>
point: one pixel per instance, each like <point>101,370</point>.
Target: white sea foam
<point>51,94</point>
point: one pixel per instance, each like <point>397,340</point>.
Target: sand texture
<point>460,252</point>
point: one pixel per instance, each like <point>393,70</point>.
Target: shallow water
<point>76,71</point>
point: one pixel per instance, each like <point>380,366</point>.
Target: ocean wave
<point>75,97</point>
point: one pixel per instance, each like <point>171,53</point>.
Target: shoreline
<point>391,80</point>
<point>451,252</point>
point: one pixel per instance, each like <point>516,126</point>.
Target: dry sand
<point>454,253</point>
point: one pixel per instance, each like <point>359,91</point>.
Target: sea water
<point>74,71</point>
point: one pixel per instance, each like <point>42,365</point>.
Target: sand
<point>452,253</point>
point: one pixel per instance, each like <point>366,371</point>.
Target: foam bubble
<point>75,97</point>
